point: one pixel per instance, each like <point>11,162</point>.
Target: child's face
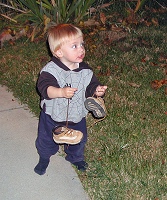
<point>72,51</point>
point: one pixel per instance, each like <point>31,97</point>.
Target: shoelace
<point>69,132</point>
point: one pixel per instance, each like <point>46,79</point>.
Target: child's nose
<point>82,48</point>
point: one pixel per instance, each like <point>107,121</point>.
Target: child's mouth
<point>81,56</point>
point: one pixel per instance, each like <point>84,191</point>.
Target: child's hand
<point>68,92</point>
<point>100,90</point>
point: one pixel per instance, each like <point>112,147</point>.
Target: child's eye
<point>82,44</point>
<point>74,46</point>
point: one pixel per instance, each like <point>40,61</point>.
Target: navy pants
<point>46,146</point>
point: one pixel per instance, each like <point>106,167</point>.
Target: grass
<point>127,151</point>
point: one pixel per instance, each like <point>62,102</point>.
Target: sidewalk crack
<point>12,109</point>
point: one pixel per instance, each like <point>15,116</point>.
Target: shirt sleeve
<point>44,81</point>
<point>91,88</point>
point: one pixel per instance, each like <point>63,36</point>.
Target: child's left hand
<point>100,90</point>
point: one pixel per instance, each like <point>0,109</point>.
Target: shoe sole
<point>96,108</point>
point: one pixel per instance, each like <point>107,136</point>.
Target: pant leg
<point>45,144</point>
<point>75,153</point>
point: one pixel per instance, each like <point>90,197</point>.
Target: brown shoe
<point>96,106</point>
<point>64,135</point>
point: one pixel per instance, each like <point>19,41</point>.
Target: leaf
<point>6,35</point>
<point>92,10</point>
<point>156,84</point>
<point>107,73</point>
<point>153,64</point>
<point>46,21</point>
<point>162,58</point>
<point>91,22</point>
<point>99,67</point>
<point>145,59</point>
<point>131,19</point>
<point>166,90</point>
<point>155,21</point>
<point>53,2</point>
<point>135,85</point>
<point>163,65</point>
<point>103,18</point>
<point>137,6</point>
<point>105,5</point>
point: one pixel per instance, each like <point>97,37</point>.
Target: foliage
<point>34,15</point>
<point>59,11</point>
<point>38,13</point>
<point>42,12</point>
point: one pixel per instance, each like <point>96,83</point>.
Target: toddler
<point>66,81</point>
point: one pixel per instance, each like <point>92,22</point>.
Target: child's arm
<point>66,92</point>
<point>49,88</point>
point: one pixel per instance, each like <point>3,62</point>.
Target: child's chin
<point>80,60</point>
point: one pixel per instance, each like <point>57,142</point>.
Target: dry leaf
<point>131,19</point>
<point>99,67</point>
<point>153,64</point>
<point>92,9</point>
<point>137,6</point>
<point>163,65</point>
<point>156,84</point>
<point>103,18</point>
<point>105,5</point>
<point>6,35</point>
<point>134,85</point>
<point>147,23</point>
<point>162,58</point>
<point>91,22</point>
<point>155,21</point>
<point>145,59</point>
<point>166,90</point>
<point>107,73</point>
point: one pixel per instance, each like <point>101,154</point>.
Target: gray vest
<point>57,108</point>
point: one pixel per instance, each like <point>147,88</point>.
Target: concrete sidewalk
<point>18,157</point>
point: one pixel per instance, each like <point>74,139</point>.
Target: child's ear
<point>58,53</point>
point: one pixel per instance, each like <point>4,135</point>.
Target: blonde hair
<point>59,34</point>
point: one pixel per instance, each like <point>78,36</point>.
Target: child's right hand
<point>68,92</point>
